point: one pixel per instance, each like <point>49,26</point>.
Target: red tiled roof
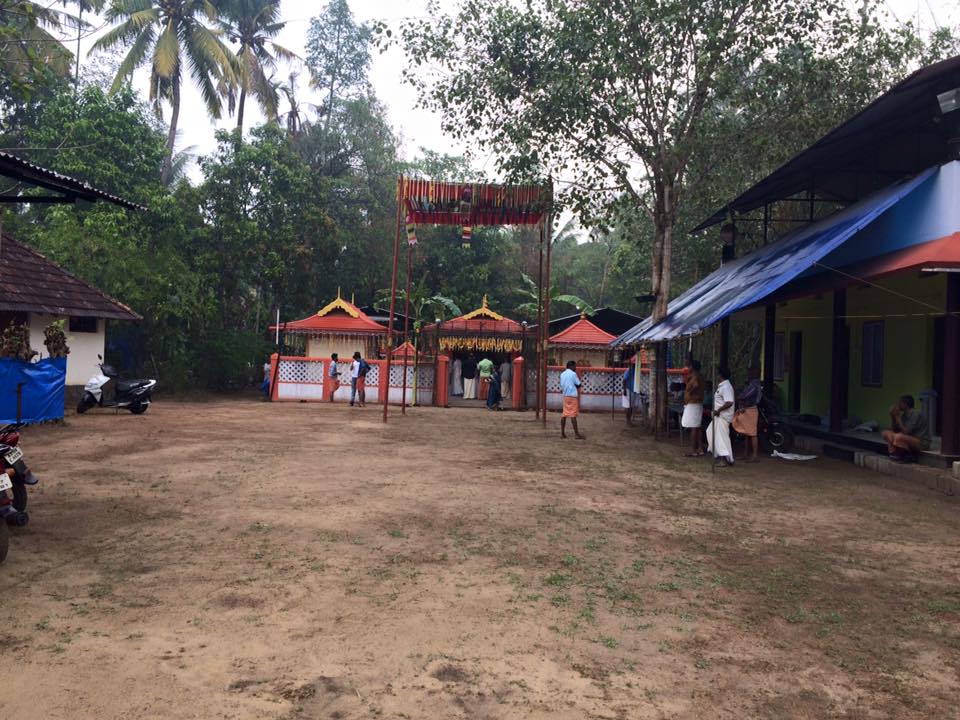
<point>581,333</point>
<point>339,316</point>
<point>29,282</point>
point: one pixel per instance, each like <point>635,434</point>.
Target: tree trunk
<point>662,258</point>
<point>172,134</point>
<point>240,104</point>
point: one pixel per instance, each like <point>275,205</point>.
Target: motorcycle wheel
<point>86,402</point>
<point>4,541</point>
<point>780,437</point>
<point>20,496</point>
<point>138,408</point>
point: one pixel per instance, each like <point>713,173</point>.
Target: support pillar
<point>950,432</point>
<point>725,342</point>
<point>441,382</point>
<point>769,341</point>
<point>839,361</point>
<point>518,386</point>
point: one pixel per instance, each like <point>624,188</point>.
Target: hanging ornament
<point>411,231</point>
<point>467,236</point>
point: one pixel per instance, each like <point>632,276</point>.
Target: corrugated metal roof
<point>19,169</point>
<point>898,135</point>
<point>29,282</point>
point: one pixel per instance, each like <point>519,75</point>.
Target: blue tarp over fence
<point>44,385</point>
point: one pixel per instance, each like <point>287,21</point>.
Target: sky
<point>418,127</point>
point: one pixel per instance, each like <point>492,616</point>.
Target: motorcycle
<point>132,395</point>
<point>15,476</point>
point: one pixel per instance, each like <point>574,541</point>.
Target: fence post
<point>383,382</point>
<point>274,375</point>
<point>518,388</point>
<point>441,382</point>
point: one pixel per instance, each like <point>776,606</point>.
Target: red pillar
<point>518,386</point>
<point>274,375</point>
<point>383,381</point>
<point>329,383</point>
<point>950,432</point>
<point>441,383</point>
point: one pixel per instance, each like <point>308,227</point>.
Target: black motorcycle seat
<point>128,385</point>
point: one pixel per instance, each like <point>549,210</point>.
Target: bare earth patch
<point>236,559</point>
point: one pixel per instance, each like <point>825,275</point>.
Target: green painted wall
<point>908,343</point>
<point>810,317</point>
<point>908,340</point>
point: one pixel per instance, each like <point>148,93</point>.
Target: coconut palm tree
<point>252,24</point>
<point>529,308</point>
<point>172,36</point>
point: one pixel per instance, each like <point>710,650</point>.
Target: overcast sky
<point>418,127</point>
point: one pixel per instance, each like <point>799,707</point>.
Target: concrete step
<point>943,481</point>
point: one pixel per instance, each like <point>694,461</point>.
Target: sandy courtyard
<point>234,559</point>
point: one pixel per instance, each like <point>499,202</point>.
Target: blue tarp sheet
<point>44,385</point>
<point>749,279</point>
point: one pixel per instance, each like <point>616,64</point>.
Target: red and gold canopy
<point>481,330</point>
<point>429,202</point>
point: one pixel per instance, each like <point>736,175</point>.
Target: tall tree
<point>338,56</point>
<point>253,24</point>
<point>613,95</point>
<point>171,34</point>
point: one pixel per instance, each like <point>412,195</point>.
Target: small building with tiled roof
<point>339,327</point>
<point>582,342</point>
<point>36,291</point>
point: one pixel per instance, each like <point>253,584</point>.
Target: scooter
<point>14,478</point>
<point>132,395</point>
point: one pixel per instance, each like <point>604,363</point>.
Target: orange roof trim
<point>581,333</point>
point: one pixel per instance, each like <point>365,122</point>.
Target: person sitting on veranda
<point>908,433</point>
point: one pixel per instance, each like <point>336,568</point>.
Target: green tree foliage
<point>338,57</point>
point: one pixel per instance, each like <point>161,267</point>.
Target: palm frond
<point>166,52</point>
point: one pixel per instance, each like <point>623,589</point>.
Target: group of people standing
<point>482,379</point>
<point>358,378</point>
<point>729,411</point>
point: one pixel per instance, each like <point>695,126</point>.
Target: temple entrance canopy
<point>479,331</point>
<point>468,205</point>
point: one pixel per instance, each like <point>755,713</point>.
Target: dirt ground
<point>236,559</point>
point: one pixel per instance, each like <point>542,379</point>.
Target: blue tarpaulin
<point>749,279</point>
<point>44,384</point>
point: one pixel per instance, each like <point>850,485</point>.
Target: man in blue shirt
<point>570,387</point>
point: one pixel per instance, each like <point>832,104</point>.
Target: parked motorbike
<point>15,476</point>
<point>774,433</point>
<point>132,395</point>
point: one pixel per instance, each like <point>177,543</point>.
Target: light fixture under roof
<point>949,101</point>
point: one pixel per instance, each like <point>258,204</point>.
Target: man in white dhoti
<point>718,432</point>
<point>456,378</point>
